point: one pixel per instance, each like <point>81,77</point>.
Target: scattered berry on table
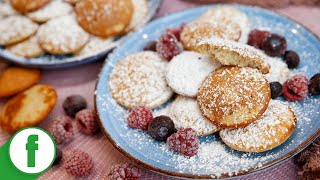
<point>86,120</point>
<point>256,38</point>
<point>124,171</point>
<point>276,89</point>
<point>274,45</point>
<point>168,46</point>
<point>292,59</point>
<point>78,163</point>
<point>61,130</point>
<point>296,88</point>
<point>73,104</point>
<point>314,84</point>
<point>177,31</point>
<point>184,141</point>
<point>150,46</point>
<point>140,117</point>
<point>161,127</point>
<point>58,158</point>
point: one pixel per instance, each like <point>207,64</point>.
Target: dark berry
<point>168,46</point>
<point>274,45</point>
<point>184,141</point>
<point>73,104</point>
<point>58,158</point>
<point>314,84</point>
<point>296,88</point>
<point>150,46</point>
<point>256,38</point>
<point>276,89</point>
<point>292,59</point>
<point>161,127</point>
<point>140,117</point>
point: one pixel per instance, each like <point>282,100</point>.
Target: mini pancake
<point>139,79</point>
<point>233,97</point>
<point>273,128</point>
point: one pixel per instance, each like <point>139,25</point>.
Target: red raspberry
<point>256,38</point>
<point>124,171</point>
<point>296,88</point>
<point>62,130</point>
<point>79,163</point>
<point>177,31</point>
<point>168,46</point>
<point>87,121</point>
<point>140,117</point>
<point>184,141</point>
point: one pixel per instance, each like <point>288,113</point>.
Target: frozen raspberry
<point>184,141</point>
<point>87,121</point>
<point>78,163</point>
<point>256,37</point>
<point>62,130</point>
<point>161,127</point>
<point>177,31</point>
<point>58,158</point>
<point>150,46</point>
<point>73,104</point>
<point>168,46</point>
<point>274,45</point>
<point>314,84</point>
<point>296,88</point>
<point>124,171</point>
<point>140,117</point>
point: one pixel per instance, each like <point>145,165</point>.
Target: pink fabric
<point>81,80</point>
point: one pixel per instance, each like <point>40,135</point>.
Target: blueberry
<point>150,46</point>
<point>161,127</point>
<point>58,156</point>
<point>276,89</point>
<point>73,104</point>
<point>314,84</point>
<point>292,59</point>
<point>274,45</point>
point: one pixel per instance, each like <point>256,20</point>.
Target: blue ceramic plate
<point>214,158</point>
<point>48,61</point>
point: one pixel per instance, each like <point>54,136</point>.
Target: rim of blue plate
<point>154,6</point>
<point>209,176</point>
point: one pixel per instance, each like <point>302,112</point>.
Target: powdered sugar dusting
<point>187,70</point>
<point>186,114</point>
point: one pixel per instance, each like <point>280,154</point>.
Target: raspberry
<point>184,141</point>
<point>161,127</point>
<point>140,117</point>
<point>124,171</point>
<point>177,31</point>
<point>256,38</point>
<point>87,121</point>
<point>62,130</point>
<point>168,46</point>
<point>58,157</point>
<point>296,88</point>
<point>150,46</point>
<point>79,164</point>
<point>73,104</point>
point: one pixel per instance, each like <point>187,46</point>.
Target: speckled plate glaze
<point>214,158</point>
<point>48,61</point>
